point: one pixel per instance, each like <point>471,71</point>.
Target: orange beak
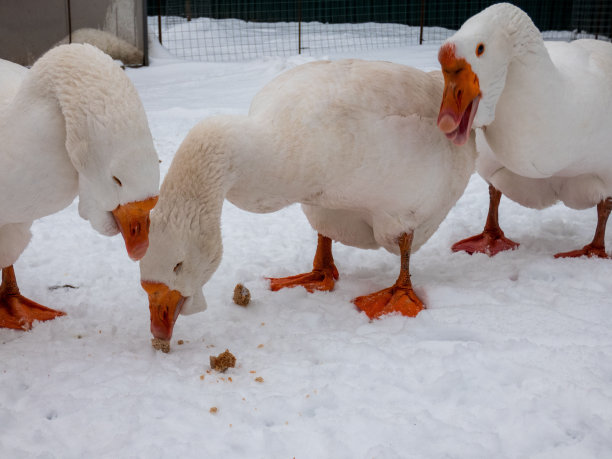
<point>133,222</point>
<point>164,306</point>
<point>460,98</point>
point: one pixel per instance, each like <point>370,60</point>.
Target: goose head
<point>474,63</point>
<point>118,186</point>
<point>185,250</point>
<point>107,139</point>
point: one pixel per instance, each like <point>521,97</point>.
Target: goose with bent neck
<point>544,109</point>
<point>71,125</point>
<point>354,142</point>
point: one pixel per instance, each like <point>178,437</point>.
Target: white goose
<point>72,125</point>
<point>545,110</point>
<point>355,142</point>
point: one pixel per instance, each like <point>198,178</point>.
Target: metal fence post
<point>159,21</point>
<point>69,22</point>
<point>422,21</point>
<point>145,34</point>
<point>299,26</point>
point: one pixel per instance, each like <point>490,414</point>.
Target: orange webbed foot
<point>317,279</point>
<point>492,240</point>
<point>487,243</point>
<point>389,300</point>
<point>19,312</point>
<point>587,251</point>
<point>597,248</point>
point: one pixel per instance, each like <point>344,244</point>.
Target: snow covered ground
<point>512,358</point>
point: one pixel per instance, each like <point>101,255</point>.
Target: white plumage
<point>72,125</point>
<point>354,141</point>
<point>545,108</point>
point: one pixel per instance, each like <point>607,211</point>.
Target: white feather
<point>68,126</point>
<point>355,142</point>
<point>546,107</point>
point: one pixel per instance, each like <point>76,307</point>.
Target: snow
<point>209,39</point>
<point>512,358</point>
<point>233,39</point>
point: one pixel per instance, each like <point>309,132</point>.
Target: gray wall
<point>28,28</point>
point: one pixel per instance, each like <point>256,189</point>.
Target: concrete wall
<point>31,27</point>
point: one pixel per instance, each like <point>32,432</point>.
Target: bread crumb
<point>252,371</point>
<point>161,345</point>
<point>260,346</point>
<point>242,296</point>
<point>259,379</point>
<point>180,342</point>
<point>202,377</point>
<point>223,361</point>
<point>230,379</point>
<point>213,410</point>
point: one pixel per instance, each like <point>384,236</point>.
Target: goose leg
<point>597,248</point>
<point>16,311</point>
<point>398,298</point>
<point>322,276</point>
<point>492,240</point>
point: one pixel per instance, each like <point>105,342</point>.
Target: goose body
<point>563,130</point>
<point>354,142</point>
<point>545,109</point>
<point>352,131</point>
<point>72,125</point>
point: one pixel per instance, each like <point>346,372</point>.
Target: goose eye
<point>117,181</point>
<point>480,49</point>
<point>178,267</point>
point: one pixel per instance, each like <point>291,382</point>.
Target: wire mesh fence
<point>224,30</point>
